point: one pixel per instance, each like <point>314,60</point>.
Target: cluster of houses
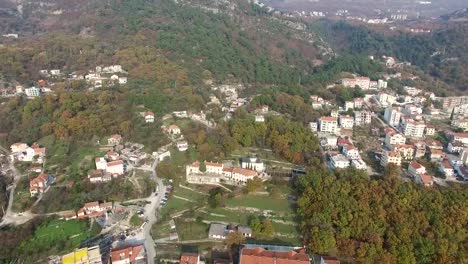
<point>335,123</point>
<point>114,163</point>
<point>102,75</point>
<point>130,254</point>
<point>23,152</point>
<point>96,78</point>
<point>40,184</point>
<point>90,210</point>
<point>399,149</point>
<point>349,156</point>
<point>259,254</point>
<point>364,83</point>
<point>221,231</point>
<point>215,173</point>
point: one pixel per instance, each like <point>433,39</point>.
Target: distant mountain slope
<point>459,16</point>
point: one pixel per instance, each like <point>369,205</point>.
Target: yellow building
<point>90,255</point>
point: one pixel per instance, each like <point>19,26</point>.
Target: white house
<point>114,140</point>
<point>242,175</point>
<point>339,161</point>
<point>182,145</point>
<point>313,126</point>
<point>413,128</point>
<point>55,72</point>
<point>415,168</point>
<point>101,164</point>
<point>425,179</point>
<point>390,157</point>
<point>214,167</point>
<point>259,118</point>
<point>115,167</point>
<point>173,129</point>
<point>446,168</point>
<point>32,92</point>
<point>122,80</point>
<point>346,122</point>
<point>359,164</point>
<point>149,117</point>
<point>18,147</point>
<point>349,105</point>
<point>252,163</point>
<point>358,103</point>
<point>392,115</point>
<point>351,152</point>
<point>328,124</point>
<point>393,138</point>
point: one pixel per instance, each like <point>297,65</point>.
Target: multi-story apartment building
<point>392,115</point>
<point>328,124</point>
<point>413,128</point>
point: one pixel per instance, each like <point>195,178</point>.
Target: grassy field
<point>175,205</point>
<point>188,194</point>
<point>262,202</point>
<point>191,230</point>
<point>160,230</point>
<point>57,236</point>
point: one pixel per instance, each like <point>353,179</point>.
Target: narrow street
<point>150,213</point>
<point>10,216</point>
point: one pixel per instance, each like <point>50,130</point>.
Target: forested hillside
<point>382,221</point>
<point>442,54</point>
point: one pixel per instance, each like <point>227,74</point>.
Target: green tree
<point>254,185</point>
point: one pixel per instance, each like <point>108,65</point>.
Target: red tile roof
<point>114,163</point>
<point>213,164</point>
<point>189,258</point>
<point>328,118</point>
<point>343,141</point>
<point>41,151</point>
<point>130,253</point>
<point>446,164</point>
<point>461,135</point>
<point>245,172</point>
<point>393,153</point>
<point>41,178</point>
<point>416,165</point>
<point>262,256</point>
<point>91,204</point>
<point>149,114</point>
<point>330,260</point>
<point>426,178</point>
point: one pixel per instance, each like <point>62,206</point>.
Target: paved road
<point>9,216</point>
<point>150,213</point>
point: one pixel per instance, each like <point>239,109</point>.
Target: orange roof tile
<point>91,204</point>
<point>114,163</point>
<point>416,165</point>
<point>245,172</point>
<point>328,118</point>
<point>330,260</point>
<point>189,258</point>
<point>262,256</point>
<point>130,253</point>
<point>213,164</point>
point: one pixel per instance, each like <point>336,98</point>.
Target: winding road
<point>150,213</point>
<point>10,216</point>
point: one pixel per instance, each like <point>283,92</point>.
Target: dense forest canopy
<point>442,54</point>
<point>382,220</point>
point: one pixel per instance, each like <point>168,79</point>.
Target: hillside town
<point>372,132</point>
<point>233,132</point>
